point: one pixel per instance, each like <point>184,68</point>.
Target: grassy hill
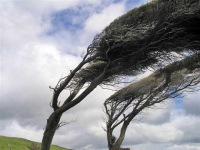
<point>21,144</point>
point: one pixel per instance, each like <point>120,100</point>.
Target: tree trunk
<point>110,138</point>
<point>119,141</point>
<point>51,127</point>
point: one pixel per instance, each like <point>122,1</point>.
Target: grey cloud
<point>157,115</point>
<point>80,137</point>
<point>189,127</point>
<point>180,128</point>
<point>192,104</point>
<point>164,146</point>
<point>189,146</point>
<point>24,95</point>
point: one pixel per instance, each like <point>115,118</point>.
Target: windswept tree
<point>169,82</point>
<point>137,40</point>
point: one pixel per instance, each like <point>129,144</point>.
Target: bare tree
<point>139,39</point>
<point>165,83</point>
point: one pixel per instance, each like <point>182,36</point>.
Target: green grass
<point>21,144</point>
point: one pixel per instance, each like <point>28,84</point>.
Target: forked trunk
<point>119,141</point>
<point>51,127</point>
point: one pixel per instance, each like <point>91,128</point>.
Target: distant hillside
<point>21,144</point>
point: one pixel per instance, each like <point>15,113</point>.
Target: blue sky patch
<point>69,19</point>
<point>73,19</point>
<point>179,101</point>
<point>130,4</point>
<point>116,1</point>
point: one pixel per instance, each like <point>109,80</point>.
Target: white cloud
<point>169,146</point>
<point>184,147</point>
<point>98,21</point>
<point>48,6</point>
<point>29,64</point>
<point>181,128</point>
<point>18,28</point>
<point>28,132</point>
<point>154,133</point>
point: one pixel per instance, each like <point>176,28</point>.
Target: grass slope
<point>21,144</point>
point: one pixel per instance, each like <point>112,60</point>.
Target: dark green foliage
<point>147,34</point>
<point>179,73</point>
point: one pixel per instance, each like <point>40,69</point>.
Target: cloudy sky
<point>40,41</point>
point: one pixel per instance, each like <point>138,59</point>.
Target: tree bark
<point>119,141</point>
<point>109,138</point>
<point>51,127</point>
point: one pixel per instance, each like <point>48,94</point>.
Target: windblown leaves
<point>146,35</point>
<point>182,74</point>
